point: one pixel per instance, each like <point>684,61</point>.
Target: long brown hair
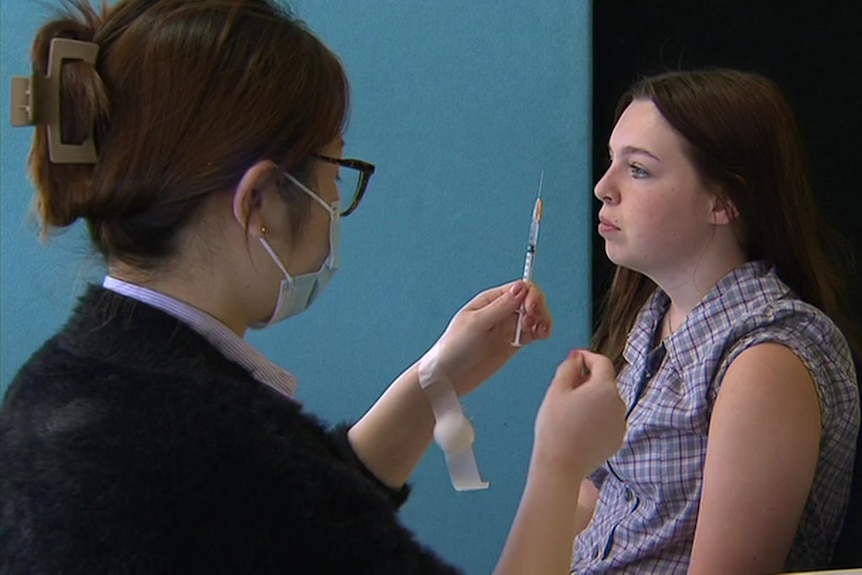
<point>185,96</point>
<point>740,133</point>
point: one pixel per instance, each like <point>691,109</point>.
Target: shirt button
<point>595,552</point>
<point>628,495</point>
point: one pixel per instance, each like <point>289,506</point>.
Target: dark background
<point>811,48</point>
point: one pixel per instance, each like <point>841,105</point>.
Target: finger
<point>541,331</point>
<point>535,299</point>
<point>503,306</point>
<point>541,324</point>
<point>599,365</point>
<point>572,372</point>
<point>535,303</point>
<point>491,295</point>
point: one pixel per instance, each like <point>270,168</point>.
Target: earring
<point>264,231</point>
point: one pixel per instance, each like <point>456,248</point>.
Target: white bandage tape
<point>452,431</point>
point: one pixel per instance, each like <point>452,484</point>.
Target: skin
<point>580,421</point>
<point>660,218</point>
<point>667,223</point>
<point>223,270</point>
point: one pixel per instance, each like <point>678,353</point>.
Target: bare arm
<point>588,496</point>
<point>540,540</point>
<point>580,424</point>
<point>763,447</point>
<point>392,436</point>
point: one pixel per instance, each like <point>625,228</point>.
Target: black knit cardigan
<point>129,444</point>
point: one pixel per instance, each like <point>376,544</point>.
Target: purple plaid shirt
<point>650,490</point>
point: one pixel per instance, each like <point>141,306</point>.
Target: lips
<point>606,225</point>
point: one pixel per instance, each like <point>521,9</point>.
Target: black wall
<point>812,48</point>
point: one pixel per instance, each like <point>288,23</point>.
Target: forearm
<point>392,436</point>
<point>541,537</point>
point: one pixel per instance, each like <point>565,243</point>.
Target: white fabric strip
<point>452,430</point>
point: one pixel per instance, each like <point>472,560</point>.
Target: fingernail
<point>572,354</point>
<point>517,288</point>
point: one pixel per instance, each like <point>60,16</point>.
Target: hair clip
<point>36,101</point>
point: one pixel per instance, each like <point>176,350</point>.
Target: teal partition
<point>460,105</point>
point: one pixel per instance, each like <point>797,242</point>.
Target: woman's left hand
<point>478,340</point>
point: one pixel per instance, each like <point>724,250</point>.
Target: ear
<point>248,197</point>
<point>724,211</point>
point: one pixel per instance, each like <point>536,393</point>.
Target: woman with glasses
<point>201,142</point>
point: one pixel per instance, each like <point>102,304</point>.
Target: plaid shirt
<point>650,490</point>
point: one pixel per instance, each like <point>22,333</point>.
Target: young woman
<point>201,142</point>
<point>724,322</point>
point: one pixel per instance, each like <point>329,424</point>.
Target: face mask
<point>296,294</point>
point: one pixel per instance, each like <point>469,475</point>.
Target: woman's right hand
<point>582,420</point>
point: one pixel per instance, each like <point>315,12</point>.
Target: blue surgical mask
<point>296,294</point>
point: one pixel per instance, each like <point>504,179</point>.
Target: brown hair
<point>185,96</point>
<point>740,133</point>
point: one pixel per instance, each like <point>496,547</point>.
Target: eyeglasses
<point>351,192</point>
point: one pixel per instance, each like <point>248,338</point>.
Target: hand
<point>478,340</point>
<point>581,422</point>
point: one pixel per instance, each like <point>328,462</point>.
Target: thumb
<point>572,372</point>
<point>503,306</point>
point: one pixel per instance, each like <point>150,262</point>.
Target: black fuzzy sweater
<point>129,444</point>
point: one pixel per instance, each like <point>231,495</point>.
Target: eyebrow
<point>634,150</point>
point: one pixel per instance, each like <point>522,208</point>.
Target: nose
<point>605,190</point>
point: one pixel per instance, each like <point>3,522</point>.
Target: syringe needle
<point>529,260</point>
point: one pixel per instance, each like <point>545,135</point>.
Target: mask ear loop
<point>332,210</point>
<point>272,253</point>
<point>334,214</point>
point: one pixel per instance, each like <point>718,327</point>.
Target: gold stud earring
<point>264,231</point>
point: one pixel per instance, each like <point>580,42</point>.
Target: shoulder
<point>768,372</point>
<point>754,306</point>
<point>183,447</point>
<point>803,331</point>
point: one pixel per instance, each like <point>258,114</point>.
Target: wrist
<point>560,469</point>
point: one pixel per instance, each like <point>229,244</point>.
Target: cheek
<point>667,218</point>
<point>321,238</point>
<point>652,222</point>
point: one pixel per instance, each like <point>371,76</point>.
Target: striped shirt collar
<point>215,332</point>
<point>742,287</point>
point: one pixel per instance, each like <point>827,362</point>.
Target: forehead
<point>641,125</point>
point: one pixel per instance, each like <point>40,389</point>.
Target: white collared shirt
<point>218,334</point>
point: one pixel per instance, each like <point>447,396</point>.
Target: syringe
<point>529,260</point>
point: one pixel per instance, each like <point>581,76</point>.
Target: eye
<point>638,172</point>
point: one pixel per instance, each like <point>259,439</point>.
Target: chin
<point>620,258</point>
<point>613,254</point>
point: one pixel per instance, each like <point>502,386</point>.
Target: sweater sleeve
<point>324,512</point>
<point>341,443</point>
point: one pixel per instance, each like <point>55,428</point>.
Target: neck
<point>207,294</point>
<point>686,287</point>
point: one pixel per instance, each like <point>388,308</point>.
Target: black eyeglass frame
<point>365,170</point>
